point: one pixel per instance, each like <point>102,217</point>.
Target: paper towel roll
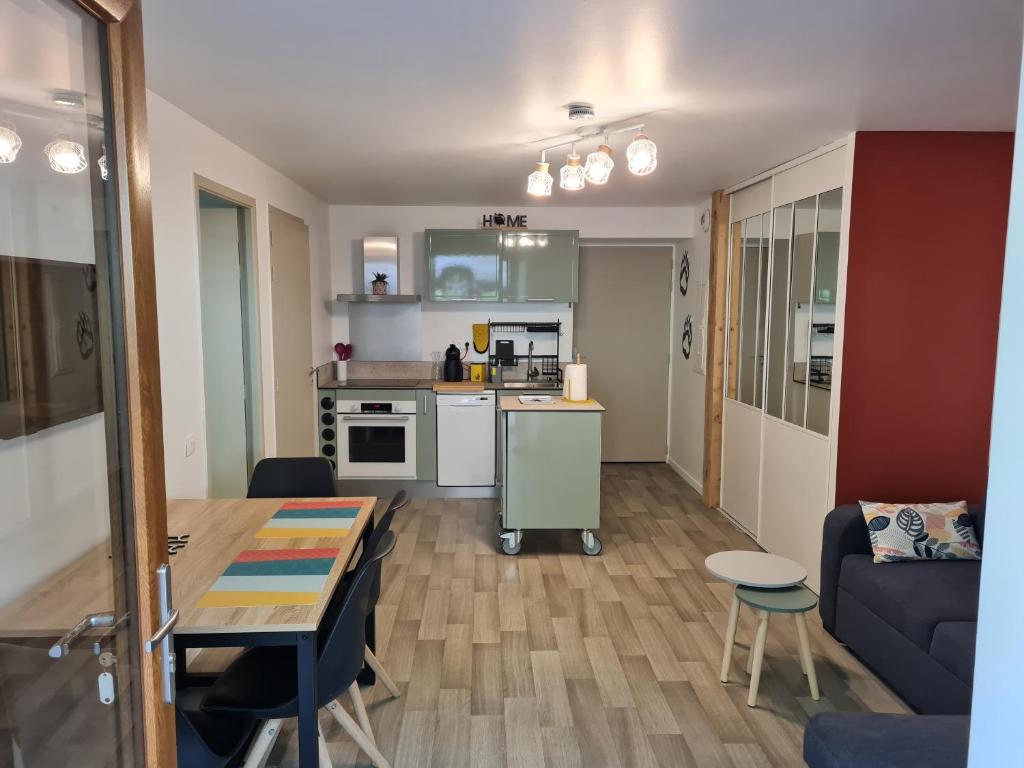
<point>575,382</point>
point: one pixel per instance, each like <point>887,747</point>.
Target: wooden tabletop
<point>218,530</point>
<point>557,404</point>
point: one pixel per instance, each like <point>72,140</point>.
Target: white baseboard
<point>691,481</point>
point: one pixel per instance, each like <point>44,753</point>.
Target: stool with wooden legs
<point>261,683</point>
<point>795,600</point>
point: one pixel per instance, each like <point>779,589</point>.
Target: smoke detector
<point>581,110</point>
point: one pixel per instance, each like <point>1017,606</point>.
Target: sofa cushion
<point>856,740</point>
<point>914,597</point>
<point>953,647</point>
<point>940,531</point>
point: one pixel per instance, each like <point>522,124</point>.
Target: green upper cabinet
<point>540,266</point>
<point>463,265</point>
<point>512,266</point>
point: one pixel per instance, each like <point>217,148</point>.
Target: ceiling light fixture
<point>572,179</point>
<point>10,143</point>
<point>599,164</point>
<point>540,181</point>
<point>641,154</point>
<point>66,156</point>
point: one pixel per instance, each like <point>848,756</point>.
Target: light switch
<point>190,445</point>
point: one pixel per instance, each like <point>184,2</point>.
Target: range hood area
<point>380,256</point>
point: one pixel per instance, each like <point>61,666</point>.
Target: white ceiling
<point>420,102</point>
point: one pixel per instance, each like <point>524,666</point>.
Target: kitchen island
<point>551,469</point>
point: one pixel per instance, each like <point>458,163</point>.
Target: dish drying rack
<point>546,364</point>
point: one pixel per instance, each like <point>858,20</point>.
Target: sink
<point>531,385</point>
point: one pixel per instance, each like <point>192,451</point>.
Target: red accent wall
<point>927,240</point>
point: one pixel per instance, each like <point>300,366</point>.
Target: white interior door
<point>621,326</point>
<point>294,401</point>
<point>223,341</point>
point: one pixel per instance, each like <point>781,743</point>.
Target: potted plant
<point>344,353</point>
<point>379,284</point>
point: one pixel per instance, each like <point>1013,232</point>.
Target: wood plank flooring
<point>552,658</point>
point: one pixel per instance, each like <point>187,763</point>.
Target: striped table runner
<point>310,519</point>
<point>272,577</point>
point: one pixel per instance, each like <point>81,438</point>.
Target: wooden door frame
<point>714,380</point>
<point>123,22</point>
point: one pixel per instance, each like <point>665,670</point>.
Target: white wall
<point>441,324</point>
<point>181,147</point>
<point>996,720</point>
<point>686,388</point>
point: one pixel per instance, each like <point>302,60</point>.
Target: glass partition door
<point>69,670</point>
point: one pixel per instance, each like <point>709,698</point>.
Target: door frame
<point>256,443</point>
<point>122,20</point>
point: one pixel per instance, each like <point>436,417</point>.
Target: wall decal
<point>687,336</point>
<point>684,273</point>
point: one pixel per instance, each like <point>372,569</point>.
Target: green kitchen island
<point>551,469</point>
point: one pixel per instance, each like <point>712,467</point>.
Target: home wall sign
<point>499,220</point>
<point>687,336</point>
<point>684,273</point>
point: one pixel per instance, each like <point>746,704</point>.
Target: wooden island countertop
<point>557,405</point>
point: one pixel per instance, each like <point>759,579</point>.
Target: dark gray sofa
<point>912,623</point>
<point>862,740</point>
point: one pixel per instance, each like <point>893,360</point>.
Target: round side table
<point>765,573</point>
<point>796,600</point>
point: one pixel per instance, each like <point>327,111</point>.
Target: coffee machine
<point>452,364</point>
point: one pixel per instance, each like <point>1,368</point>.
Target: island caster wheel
<point>591,544</point>
<point>512,542</point>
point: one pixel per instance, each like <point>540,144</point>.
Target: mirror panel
<point>762,304</point>
<point>802,273</point>
<point>823,310</point>
<point>750,316</point>
<point>779,310</point>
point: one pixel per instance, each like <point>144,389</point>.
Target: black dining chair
<point>261,683</point>
<point>294,477</point>
<point>382,526</point>
<point>205,739</point>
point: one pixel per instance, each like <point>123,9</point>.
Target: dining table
<point>241,577</point>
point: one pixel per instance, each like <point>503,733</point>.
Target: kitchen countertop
<point>557,404</point>
<point>429,384</point>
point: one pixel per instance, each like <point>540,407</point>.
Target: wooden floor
<point>554,658</point>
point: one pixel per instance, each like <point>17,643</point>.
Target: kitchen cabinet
<point>501,265</point>
<point>426,435</point>
<point>540,266</point>
<point>463,265</point>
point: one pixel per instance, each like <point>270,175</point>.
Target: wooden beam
<point>714,380</point>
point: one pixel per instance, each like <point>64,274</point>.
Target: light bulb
<point>539,182</point>
<point>599,165</point>
<point>10,143</point>
<point>642,155</point>
<point>572,174</point>
<point>66,156</point>
<point>102,163</point>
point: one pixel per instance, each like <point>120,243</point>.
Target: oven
<point>377,439</point>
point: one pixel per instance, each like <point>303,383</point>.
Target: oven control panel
<point>377,408</point>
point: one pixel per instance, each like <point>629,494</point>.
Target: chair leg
<point>325,756</point>
<point>758,658</point>
<point>352,728</point>
<point>730,637</point>
<point>262,744</point>
<point>360,709</point>
<point>382,675</point>
<point>805,654</point>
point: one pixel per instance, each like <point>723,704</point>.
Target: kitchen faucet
<point>531,372</point>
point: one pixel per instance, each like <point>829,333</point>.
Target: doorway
<point>294,388</point>
<point>230,332</point>
<point>621,327</point>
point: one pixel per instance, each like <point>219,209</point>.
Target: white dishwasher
<point>465,439</point>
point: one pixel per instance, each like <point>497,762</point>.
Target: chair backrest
<point>382,526</point>
<point>341,647</point>
<point>298,477</point>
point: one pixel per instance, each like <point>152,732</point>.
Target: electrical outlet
<point>190,445</point>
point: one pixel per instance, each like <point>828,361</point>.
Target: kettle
<point>452,364</point>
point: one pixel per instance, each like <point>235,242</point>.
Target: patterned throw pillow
<point>920,531</point>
